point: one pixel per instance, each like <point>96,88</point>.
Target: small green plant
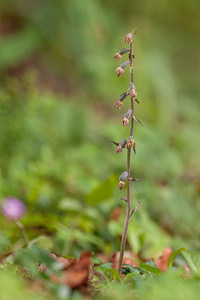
<point>130,145</point>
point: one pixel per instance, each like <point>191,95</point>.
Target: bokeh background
<point>57,90</point>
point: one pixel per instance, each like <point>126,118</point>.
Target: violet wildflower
<point>13,208</point>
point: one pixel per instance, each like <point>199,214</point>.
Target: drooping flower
<point>119,149</point>
<point>117,56</point>
<point>13,208</point>
<point>118,104</point>
<point>125,121</point>
<point>119,71</point>
<point>121,185</point>
<point>133,93</point>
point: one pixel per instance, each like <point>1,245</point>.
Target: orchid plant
<point>130,145</point>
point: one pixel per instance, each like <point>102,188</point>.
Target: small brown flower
<point>118,104</point>
<point>117,56</point>
<point>133,93</point>
<point>128,38</point>
<point>131,144</point>
<point>119,71</point>
<point>121,185</point>
<point>119,149</point>
<point>125,121</point>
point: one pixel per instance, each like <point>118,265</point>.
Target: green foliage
<point>102,192</point>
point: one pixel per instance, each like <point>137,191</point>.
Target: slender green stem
<point>21,226</point>
<point>128,210</point>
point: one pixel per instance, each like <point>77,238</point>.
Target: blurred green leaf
<point>151,267</point>
<point>18,46</point>
<point>173,256</point>
<point>102,192</point>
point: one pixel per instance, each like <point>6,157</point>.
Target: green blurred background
<point>57,90</point>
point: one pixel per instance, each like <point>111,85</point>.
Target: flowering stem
<point>21,226</point>
<point>128,210</point>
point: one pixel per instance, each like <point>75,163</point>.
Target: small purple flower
<point>13,208</point>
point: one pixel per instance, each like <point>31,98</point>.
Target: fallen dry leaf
<point>76,274</point>
<point>162,261</point>
<point>66,262</point>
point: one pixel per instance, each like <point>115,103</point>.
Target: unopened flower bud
<point>119,71</point>
<point>125,121</point>
<point>118,104</point>
<point>121,185</point>
<point>119,149</point>
<point>128,38</point>
<point>133,93</point>
<point>117,56</point>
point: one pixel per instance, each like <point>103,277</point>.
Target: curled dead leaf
<point>162,261</point>
<point>76,274</point>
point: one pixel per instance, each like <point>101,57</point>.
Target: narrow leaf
<point>124,64</point>
<point>123,96</point>
<point>124,50</point>
<point>138,121</point>
<point>137,100</point>
<point>117,144</point>
<point>134,210</point>
<point>188,257</point>
<point>173,255</point>
<point>124,199</point>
